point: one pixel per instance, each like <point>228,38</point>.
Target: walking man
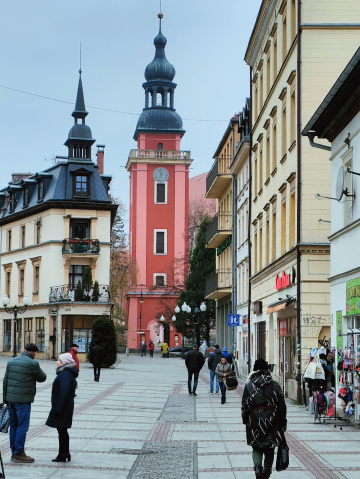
<point>96,358</point>
<point>213,361</point>
<point>194,361</point>
<point>21,375</point>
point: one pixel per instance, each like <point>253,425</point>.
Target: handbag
<point>4,418</point>
<point>282,458</point>
<point>230,383</point>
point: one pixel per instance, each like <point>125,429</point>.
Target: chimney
<point>100,158</point>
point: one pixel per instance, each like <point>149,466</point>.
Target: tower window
<point>160,146</point>
<point>160,241</point>
<point>159,279</point>
<point>160,192</point>
<point>81,185</point>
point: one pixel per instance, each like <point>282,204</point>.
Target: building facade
<point>291,70</point>
<point>337,120</point>
<point>159,208</point>
<point>239,168</point>
<point>219,234</point>
<point>54,224</point>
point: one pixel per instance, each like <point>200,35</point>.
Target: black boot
<point>62,458</point>
<point>258,471</point>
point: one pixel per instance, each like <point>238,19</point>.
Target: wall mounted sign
<point>353,297</point>
<point>223,246</point>
<point>285,279</point>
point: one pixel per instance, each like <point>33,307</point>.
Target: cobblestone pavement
<point>140,422</point>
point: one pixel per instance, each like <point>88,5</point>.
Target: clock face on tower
<point>161,175</point>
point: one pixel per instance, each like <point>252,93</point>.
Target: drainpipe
<point>234,251</point>
<point>298,219</point>
<point>248,226</point>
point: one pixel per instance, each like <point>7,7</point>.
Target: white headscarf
<point>66,358</point>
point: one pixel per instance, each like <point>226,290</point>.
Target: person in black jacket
<point>96,358</point>
<point>213,361</point>
<point>194,361</point>
<point>264,414</point>
<point>62,403</point>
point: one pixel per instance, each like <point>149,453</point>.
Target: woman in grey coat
<point>62,403</point>
<point>223,370</point>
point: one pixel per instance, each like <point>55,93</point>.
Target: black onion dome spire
<point>159,114</point>
<point>160,68</point>
<point>80,137</point>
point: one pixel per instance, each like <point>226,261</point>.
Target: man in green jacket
<point>22,373</point>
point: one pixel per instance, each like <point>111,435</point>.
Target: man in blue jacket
<point>227,355</point>
<point>22,373</point>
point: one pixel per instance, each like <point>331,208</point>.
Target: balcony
<point>159,154</point>
<point>218,284</point>
<point>80,246</point>
<point>68,293</point>
<point>218,229</point>
<point>218,179</point>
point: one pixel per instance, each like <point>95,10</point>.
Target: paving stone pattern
<point>140,422</point>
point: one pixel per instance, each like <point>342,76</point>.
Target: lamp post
<point>166,326</point>
<point>16,310</point>
<point>141,302</point>
<point>197,313</point>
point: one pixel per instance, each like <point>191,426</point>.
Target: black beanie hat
<point>261,365</point>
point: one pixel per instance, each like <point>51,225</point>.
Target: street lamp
<point>197,312</point>
<point>16,310</point>
<point>141,302</point>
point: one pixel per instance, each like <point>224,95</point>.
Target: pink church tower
<point>159,208</point>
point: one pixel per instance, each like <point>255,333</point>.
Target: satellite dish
<point>339,188</point>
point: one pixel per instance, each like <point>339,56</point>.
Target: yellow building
<point>219,185</point>
<point>296,52</point>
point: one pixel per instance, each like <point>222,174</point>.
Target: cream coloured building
<point>296,51</point>
<point>54,224</point>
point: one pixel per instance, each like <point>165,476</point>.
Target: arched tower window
<point>159,99</point>
<point>160,146</point>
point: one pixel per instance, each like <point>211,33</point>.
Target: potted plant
<point>96,292</point>
<point>87,283</point>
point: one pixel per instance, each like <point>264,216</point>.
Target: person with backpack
<point>213,361</point>
<point>264,415</point>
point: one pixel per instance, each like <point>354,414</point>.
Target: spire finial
<point>80,70</point>
<point>160,16</point>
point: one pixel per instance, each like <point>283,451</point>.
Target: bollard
<point>127,351</point>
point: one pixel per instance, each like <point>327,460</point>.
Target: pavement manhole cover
<point>136,452</point>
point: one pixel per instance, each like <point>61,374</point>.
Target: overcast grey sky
<point>39,54</point>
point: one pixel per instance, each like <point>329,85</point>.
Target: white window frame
<point>165,241</point>
<point>159,274</point>
<point>166,193</point>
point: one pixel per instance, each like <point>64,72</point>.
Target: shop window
<point>77,329</point>
<point>40,334</point>
<point>7,335</point>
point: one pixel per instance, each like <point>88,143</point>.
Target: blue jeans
<point>19,420</point>
<point>212,377</point>
<point>196,378</point>
<point>223,392</point>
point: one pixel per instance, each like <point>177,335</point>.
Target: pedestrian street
<point>140,422</point>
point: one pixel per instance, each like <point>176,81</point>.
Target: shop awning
<point>279,305</point>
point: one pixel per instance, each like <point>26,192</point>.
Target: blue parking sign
<point>233,319</point>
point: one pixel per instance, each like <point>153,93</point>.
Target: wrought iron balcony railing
<point>68,292</point>
<point>82,246</point>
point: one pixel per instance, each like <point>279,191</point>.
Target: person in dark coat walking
<point>264,414</point>
<point>194,361</point>
<point>143,348</point>
<point>21,375</point>
<point>62,403</point>
<point>213,361</point>
<point>96,358</point>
